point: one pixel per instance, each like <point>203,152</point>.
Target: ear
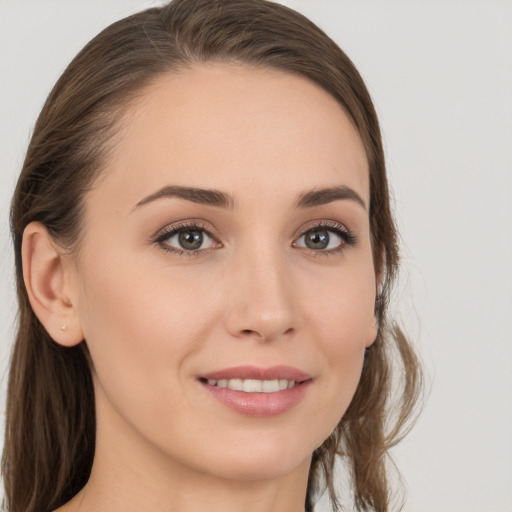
<point>47,276</point>
<point>380,273</point>
<point>373,329</point>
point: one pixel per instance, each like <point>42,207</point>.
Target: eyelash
<point>347,238</point>
<point>180,228</point>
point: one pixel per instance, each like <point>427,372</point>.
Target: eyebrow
<point>196,195</point>
<point>220,199</point>
<point>328,195</point>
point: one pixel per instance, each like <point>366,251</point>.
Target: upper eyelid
<point>327,224</point>
<point>183,225</point>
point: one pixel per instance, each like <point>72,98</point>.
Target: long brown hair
<point>50,424</point>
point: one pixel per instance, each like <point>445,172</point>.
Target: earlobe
<point>48,286</point>
<point>373,331</point>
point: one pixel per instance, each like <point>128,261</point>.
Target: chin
<point>256,470</point>
<point>267,459</point>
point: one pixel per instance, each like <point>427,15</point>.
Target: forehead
<point>236,128</point>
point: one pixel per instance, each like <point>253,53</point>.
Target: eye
<point>186,239</point>
<point>325,238</point>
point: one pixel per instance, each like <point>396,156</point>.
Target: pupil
<point>317,239</point>
<point>191,240</point>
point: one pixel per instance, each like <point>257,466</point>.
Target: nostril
<point>253,332</point>
<point>249,331</point>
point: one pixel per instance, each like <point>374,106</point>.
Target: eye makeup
<point>319,238</point>
<point>191,236</point>
<point>194,238</point>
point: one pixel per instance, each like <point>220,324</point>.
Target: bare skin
<point>270,281</point>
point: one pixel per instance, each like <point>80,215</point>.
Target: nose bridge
<point>261,302</point>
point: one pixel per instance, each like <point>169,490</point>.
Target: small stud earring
<point>63,327</point>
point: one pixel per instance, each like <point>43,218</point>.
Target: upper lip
<point>254,372</point>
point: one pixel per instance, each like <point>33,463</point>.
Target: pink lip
<point>253,372</point>
<point>259,404</point>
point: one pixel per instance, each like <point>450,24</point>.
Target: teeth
<point>270,386</point>
<point>236,384</point>
<point>253,385</point>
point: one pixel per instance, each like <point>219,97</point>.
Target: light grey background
<point>441,76</point>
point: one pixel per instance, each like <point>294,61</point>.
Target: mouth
<point>254,391</point>
<point>252,385</point>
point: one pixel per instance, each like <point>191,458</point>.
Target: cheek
<point>344,311</point>
<point>343,326</point>
<point>142,327</point>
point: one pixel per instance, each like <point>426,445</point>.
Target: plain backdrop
<point>440,73</point>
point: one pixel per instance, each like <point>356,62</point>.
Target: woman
<point>204,251</point>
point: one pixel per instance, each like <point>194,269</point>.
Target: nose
<point>260,298</point>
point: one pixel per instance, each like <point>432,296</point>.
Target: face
<point>225,282</point>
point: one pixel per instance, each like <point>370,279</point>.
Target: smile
<point>253,391</point>
<point>253,385</point>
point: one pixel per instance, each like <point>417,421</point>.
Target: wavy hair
<point>50,421</point>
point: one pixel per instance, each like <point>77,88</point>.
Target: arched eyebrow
<point>219,199</point>
<point>328,195</point>
<point>209,197</point>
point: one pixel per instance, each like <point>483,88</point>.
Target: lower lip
<point>259,404</point>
